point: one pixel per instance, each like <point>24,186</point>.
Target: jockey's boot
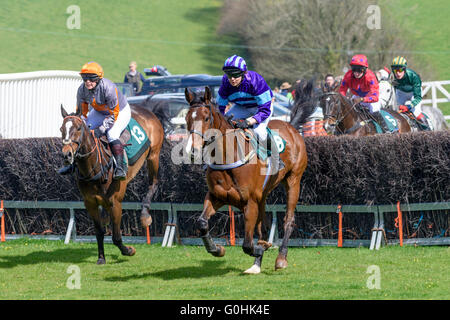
<point>269,147</point>
<point>120,173</point>
<point>423,123</point>
<point>66,170</point>
<point>381,121</point>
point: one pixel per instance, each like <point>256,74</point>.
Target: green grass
<point>37,269</point>
<point>180,35</point>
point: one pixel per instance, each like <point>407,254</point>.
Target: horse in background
<point>94,167</point>
<point>341,116</point>
<point>247,182</point>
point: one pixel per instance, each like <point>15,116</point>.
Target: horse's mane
<point>199,98</point>
<point>304,103</point>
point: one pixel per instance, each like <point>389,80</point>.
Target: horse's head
<point>74,131</point>
<point>199,119</point>
<point>331,105</point>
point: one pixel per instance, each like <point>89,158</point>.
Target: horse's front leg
<point>293,190</point>
<point>117,234</point>
<point>210,207</point>
<point>252,218</point>
<point>92,209</point>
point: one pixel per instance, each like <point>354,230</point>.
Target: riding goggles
<point>358,69</point>
<point>90,77</point>
<point>398,70</point>
<point>234,73</point>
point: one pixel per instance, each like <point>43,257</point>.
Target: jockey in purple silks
<point>251,96</point>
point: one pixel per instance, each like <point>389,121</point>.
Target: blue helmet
<point>235,62</point>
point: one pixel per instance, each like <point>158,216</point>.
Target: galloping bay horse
<point>244,186</point>
<point>93,162</point>
<point>341,116</point>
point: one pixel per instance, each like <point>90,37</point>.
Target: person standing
<point>134,77</point>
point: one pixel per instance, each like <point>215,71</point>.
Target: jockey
<point>363,84</point>
<point>110,112</point>
<point>251,96</point>
<point>408,89</point>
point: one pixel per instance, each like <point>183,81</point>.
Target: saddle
<point>265,151</point>
<point>383,122</point>
<point>135,142</point>
<point>416,123</point>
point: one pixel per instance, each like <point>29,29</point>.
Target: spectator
<point>329,81</point>
<point>134,77</point>
<point>285,86</point>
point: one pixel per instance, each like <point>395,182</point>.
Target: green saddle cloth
<point>262,152</point>
<point>389,120</point>
<point>136,141</point>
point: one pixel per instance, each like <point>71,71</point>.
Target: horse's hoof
<point>101,261</point>
<point>220,251</point>
<point>254,269</point>
<point>131,251</point>
<point>281,263</point>
<point>146,220</point>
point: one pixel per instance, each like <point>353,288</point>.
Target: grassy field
<point>179,35</point>
<point>38,269</point>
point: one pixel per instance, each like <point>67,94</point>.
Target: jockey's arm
<point>374,91</point>
<point>417,91</point>
<point>222,103</point>
<point>344,85</point>
<point>264,101</point>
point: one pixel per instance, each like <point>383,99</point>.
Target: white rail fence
<point>30,102</point>
<point>435,87</point>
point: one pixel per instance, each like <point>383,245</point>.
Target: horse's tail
<point>160,110</point>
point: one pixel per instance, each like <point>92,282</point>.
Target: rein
<point>99,152</point>
<point>208,142</point>
<point>339,120</point>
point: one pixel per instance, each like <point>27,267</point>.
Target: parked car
<point>177,83</point>
<point>175,108</point>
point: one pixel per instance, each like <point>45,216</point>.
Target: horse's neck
<point>92,151</point>
<point>349,114</point>
<point>232,136</point>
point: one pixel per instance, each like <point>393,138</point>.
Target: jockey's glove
<point>402,108</point>
<point>241,124</point>
<point>357,100</point>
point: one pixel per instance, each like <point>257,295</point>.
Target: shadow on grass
<point>69,255</point>
<point>207,269</point>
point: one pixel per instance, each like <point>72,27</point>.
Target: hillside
<point>179,35</point>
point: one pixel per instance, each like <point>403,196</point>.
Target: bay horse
<point>244,187</point>
<point>92,159</point>
<point>341,116</point>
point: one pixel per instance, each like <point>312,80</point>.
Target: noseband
<point>79,142</point>
<point>327,113</point>
<point>211,122</point>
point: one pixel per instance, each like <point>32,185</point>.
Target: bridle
<point>79,142</point>
<point>211,123</point>
<point>327,113</point>
<point>77,152</point>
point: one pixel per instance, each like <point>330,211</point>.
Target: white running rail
<point>30,102</point>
